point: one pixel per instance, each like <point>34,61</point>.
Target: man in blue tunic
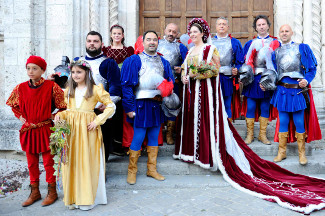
<point>257,54</point>
<point>174,52</point>
<point>296,67</point>
<point>145,79</point>
<point>231,58</point>
<point>105,71</point>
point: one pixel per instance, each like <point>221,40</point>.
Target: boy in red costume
<point>31,103</point>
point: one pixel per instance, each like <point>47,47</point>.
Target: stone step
<point>168,166</point>
<point>203,182</point>
<point>258,147</point>
<point>214,180</point>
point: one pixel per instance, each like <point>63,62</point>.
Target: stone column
<point>298,21</point>
<point>283,14</point>
<point>113,12</point>
<point>104,21</point>
<point>316,40</point>
<point>323,39</point>
<point>129,19</point>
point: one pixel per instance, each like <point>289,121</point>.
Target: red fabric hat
<point>203,24</point>
<point>38,61</point>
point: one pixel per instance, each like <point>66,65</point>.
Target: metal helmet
<point>246,74</point>
<point>171,105</point>
<point>268,80</point>
<point>62,72</point>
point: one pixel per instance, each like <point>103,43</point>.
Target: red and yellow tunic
<point>33,102</point>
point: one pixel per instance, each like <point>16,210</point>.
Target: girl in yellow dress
<point>83,176</point>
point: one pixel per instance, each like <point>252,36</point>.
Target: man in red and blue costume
<point>231,59</point>
<point>296,67</point>
<point>258,54</point>
<point>145,79</point>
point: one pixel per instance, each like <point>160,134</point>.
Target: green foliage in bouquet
<point>59,144</point>
<point>204,68</point>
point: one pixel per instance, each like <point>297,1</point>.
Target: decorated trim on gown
<point>247,172</point>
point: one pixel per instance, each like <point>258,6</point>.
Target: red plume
<point>274,44</point>
<point>138,46</point>
<point>251,59</point>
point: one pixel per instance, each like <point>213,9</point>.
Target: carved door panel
<point>154,15</point>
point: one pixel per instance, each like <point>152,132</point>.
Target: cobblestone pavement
<point>198,195</point>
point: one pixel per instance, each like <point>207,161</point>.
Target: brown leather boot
<point>283,136</point>
<point>250,130</point>
<point>169,133</point>
<point>152,163</point>
<point>262,135</point>
<point>133,166</point>
<point>301,138</point>
<point>34,195</point>
<point>52,196</point>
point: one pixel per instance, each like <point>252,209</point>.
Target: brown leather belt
<point>287,85</point>
<point>157,98</point>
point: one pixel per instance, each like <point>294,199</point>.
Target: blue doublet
<point>288,99</point>
<point>148,112</point>
<point>253,90</point>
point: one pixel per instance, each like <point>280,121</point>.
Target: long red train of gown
<point>246,171</point>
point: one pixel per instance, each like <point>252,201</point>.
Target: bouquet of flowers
<point>203,68</point>
<point>59,145</point>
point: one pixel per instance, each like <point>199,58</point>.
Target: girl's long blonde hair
<point>89,80</point>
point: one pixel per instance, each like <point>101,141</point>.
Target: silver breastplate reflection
<point>151,73</point>
<point>259,61</point>
<point>171,53</point>
<point>288,61</point>
<point>224,48</point>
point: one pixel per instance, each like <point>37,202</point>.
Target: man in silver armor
<point>231,58</point>
<point>296,67</point>
<point>258,55</point>
<point>106,72</point>
<point>174,52</point>
<point>145,78</point>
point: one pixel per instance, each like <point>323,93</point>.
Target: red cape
<point>311,124</point>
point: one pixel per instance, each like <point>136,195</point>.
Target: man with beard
<point>105,71</point>
<point>231,58</point>
<point>145,79</point>
<point>258,55</point>
<point>175,53</point>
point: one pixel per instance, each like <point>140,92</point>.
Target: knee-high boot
<point>283,136</point>
<point>170,131</point>
<point>262,135</point>
<point>301,140</point>
<point>250,130</point>
<point>133,166</point>
<point>152,163</point>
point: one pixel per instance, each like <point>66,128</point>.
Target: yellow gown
<point>80,175</point>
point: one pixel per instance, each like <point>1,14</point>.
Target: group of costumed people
<point>139,89</point>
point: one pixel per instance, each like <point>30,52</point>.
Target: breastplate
<point>94,64</point>
<point>288,61</point>
<point>262,54</point>
<point>171,53</point>
<point>150,74</point>
<point>224,48</point>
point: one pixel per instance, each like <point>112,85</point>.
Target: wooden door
<point>155,15</point>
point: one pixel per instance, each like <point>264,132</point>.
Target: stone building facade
<point>54,28</point>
